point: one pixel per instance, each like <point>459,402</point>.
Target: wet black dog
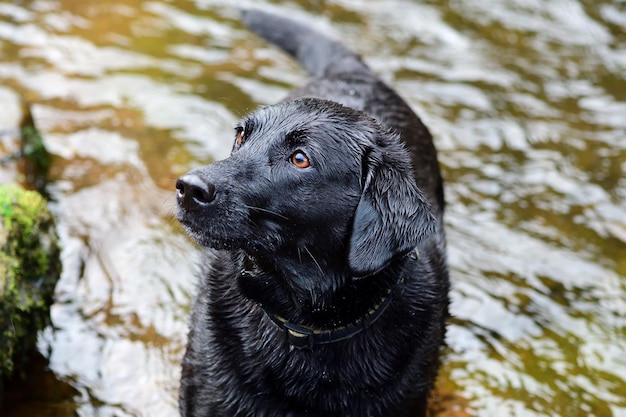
<point>325,288</point>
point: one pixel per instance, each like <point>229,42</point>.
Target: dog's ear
<point>392,216</point>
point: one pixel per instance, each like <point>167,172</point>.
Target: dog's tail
<point>314,51</point>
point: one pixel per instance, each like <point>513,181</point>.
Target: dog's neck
<point>349,305</point>
<point>303,337</point>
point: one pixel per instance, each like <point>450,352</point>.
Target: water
<point>526,99</point>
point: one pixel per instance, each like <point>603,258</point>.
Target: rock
<point>29,269</point>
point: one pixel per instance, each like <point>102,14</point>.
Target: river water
<point>527,103</point>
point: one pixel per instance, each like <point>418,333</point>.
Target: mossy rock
<point>30,266</point>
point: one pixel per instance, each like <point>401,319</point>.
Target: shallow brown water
<point>526,99</point>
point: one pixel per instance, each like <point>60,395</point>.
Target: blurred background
<point>527,103</point>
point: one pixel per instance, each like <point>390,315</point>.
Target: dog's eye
<point>240,133</point>
<point>300,160</point>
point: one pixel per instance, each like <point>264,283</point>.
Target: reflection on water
<point>528,104</point>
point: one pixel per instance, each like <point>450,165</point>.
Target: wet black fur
<point>321,247</point>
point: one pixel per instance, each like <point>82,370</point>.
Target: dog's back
<point>341,76</point>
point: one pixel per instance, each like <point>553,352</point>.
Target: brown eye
<point>239,139</point>
<point>300,160</point>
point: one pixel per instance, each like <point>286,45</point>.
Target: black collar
<point>303,337</point>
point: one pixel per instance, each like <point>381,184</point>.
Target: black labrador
<point>324,287</point>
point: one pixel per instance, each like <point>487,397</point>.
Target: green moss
<point>29,269</point>
<point>35,159</point>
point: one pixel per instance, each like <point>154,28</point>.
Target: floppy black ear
<point>391,219</point>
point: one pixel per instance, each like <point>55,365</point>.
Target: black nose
<point>193,193</point>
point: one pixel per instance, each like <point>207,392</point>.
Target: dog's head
<point>309,180</point>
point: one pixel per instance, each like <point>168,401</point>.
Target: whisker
<point>314,260</point>
<point>267,211</point>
